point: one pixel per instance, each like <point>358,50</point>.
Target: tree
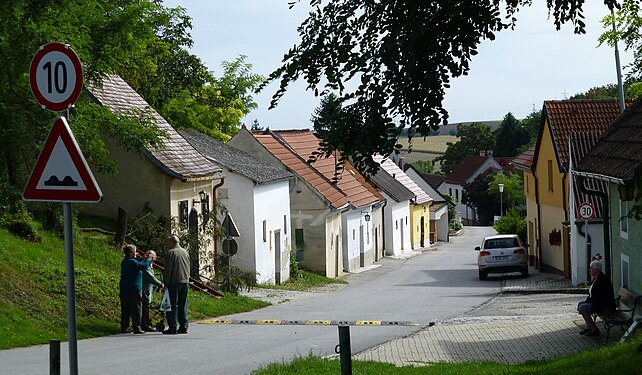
<point>256,127</point>
<point>628,22</point>
<point>424,166</point>
<point>394,59</point>
<point>477,195</point>
<point>473,138</point>
<point>510,136</point>
<point>513,195</point>
<point>142,41</point>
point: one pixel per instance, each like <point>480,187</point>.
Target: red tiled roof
<point>294,147</point>
<point>464,170</point>
<point>618,154</point>
<point>525,159</point>
<point>571,116</point>
<point>177,157</point>
<point>505,162</point>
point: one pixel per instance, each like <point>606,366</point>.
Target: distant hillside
<point>451,128</point>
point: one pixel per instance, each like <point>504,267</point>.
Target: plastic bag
<point>166,304</point>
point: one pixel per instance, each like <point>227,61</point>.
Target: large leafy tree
<point>510,136</point>
<point>628,22</point>
<point>473,138</point>
<point>144,42</point>
<point>394,59</point>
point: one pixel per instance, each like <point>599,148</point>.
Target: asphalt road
<point>434,286</point>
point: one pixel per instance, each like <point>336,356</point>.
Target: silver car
<point>502,253</point>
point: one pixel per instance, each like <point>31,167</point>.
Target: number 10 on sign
<point>55,76</point>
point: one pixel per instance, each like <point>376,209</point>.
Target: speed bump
<point>314,322</point>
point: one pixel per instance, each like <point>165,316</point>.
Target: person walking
<point>131,280</point>
<point>149,282</point>
<point>176,277</point>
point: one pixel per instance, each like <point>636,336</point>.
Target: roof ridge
<point>285,144</point>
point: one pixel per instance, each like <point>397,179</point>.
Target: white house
<point>257,196</point>
<point>465,173</point>
<point>174,180</point>
<point>395,213</point>
<point>332,211</point>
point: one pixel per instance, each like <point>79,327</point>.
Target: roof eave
<point>598,176</point>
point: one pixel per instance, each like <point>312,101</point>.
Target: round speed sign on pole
<point>586,211</point>
<point>55,76</point>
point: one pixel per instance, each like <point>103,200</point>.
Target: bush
<point>512,223</point>
<point>295,269</point>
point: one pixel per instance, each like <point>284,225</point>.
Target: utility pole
<point>618,68</point>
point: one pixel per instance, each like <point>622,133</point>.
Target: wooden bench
<point>622,316</point>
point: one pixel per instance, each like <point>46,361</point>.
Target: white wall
<point>350,222</point>
<point>463,211</point>
<point>237,196</point>
<point>395,214</point>
<point>441,218</point>
<point>272,205</point>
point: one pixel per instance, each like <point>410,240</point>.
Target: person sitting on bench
<point>600,298</point>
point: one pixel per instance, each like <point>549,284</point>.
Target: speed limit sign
<point>55,76</point>
<point>586,211</point>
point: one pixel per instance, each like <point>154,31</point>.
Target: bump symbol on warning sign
<point>61,173</point>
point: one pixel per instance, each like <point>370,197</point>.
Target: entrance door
<point>376,244</point>
<point>423,232</point>
<point>277,257</point>
<point>337,257</point>
<point>362,248</point>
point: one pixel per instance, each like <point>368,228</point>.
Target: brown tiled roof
<point>350,181</point>
<point>618,154</point>
<point>393,169</point>
<point>572,116</point>
<point>525,159</point>
<point>505,163</point>
<point>177,158</point>
<point>464,170</point>
<point>433,180</point>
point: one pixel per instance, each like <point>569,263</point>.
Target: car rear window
<point>500,243</point>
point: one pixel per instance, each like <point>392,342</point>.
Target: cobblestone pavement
<point>509,329</point>
<point>538,282</point>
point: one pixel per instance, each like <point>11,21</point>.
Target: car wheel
<point>525,272</point>
<point>482,275</point>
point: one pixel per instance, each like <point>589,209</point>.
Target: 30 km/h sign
<point>586,211</point>
<point>55,76</point>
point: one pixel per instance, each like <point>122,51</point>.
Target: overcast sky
<point>514,73</point>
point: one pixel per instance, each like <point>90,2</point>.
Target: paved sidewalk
<point>509,341</point>
<point>539,282</point>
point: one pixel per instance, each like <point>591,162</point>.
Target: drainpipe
<point>567,272</point>
<point>216,240</point>
<point>383,228</point>
<point>538,263</point>
<point>606,221</point>
<point>584,233</point>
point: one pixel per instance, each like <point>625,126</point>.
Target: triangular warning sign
<point>61,173</point>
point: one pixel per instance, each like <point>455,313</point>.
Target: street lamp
<point>501,199</point>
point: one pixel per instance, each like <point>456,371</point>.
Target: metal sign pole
<point>71,289</point>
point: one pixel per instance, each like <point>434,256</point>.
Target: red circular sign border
<point>586,204</point>
<point>75,93</point>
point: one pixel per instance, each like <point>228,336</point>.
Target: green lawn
<point>307,281</point>
<point>621,359</point>
<point>33,305</point>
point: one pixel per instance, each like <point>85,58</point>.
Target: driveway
<point>437,285</point>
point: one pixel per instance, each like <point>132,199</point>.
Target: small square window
<point>182,212</point>
<point>298,236</point>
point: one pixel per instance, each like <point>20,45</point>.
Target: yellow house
<point>419,206</point>
<point>546,181</point>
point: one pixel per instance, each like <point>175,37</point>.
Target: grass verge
<point>33,304</point>
<point>621,359</point>
<point>307,281</point>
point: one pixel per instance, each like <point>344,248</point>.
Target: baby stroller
<point>160,315</point>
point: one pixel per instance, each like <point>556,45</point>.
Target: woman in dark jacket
<point>600,298</point>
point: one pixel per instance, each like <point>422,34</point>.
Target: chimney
<point>401,162</point>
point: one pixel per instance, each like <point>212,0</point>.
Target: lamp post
<point>501,199</point>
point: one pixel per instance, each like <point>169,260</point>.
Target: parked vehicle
<point>502,253</point>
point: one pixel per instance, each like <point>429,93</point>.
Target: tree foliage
<point>424,166</point>
<point>144,42</point>
<point>395,59</point>
<point>476,194</point>
<point>510,136</point>
<point>473,138</point>
<point>628,29</point>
